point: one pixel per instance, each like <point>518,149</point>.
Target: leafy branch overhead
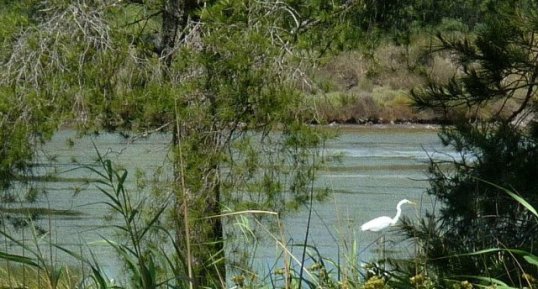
<point>497,78</point>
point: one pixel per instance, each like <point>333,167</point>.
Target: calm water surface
<point>379,167</point>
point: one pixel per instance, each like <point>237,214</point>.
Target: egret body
<point>384,222</point>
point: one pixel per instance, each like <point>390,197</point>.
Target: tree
<point>492,102</point>
<point>221,76</point>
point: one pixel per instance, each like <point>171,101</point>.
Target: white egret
<point>384,222</point>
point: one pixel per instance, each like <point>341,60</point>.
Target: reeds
<point>155,266</point>
<point>151,257</point>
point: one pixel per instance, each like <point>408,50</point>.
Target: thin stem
<point>307,233</point>
<point>185,207</point>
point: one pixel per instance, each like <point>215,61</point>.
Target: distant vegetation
<point>359,88</point>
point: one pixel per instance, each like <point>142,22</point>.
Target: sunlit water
<point>379,167</point>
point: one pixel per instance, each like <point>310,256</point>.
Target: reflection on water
<point>377,168</point>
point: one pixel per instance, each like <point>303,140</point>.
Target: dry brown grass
<point>375,87</point>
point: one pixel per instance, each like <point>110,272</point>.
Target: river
<point>379,166</point>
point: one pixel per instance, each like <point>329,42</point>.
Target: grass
<point>150,265</point>
<point>13,275</point>
<point>374,86</point>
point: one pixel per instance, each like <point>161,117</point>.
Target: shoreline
<point>381,126</point>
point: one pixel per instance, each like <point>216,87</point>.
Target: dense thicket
<point>494,102</point>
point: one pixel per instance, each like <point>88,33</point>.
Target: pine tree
<point>492,104</point>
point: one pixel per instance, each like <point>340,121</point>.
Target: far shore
<point>381,126</point>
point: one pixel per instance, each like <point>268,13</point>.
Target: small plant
<point>421,281</point>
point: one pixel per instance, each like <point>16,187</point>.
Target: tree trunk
<point>175,18</point>
<point>172,23</point>
<point>199,233</point>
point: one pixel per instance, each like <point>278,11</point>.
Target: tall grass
<point>149,253</point>
<point>36,265</point>
<point>151,257</point>
<point>145,247</point>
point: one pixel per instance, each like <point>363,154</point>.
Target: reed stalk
<point>185,203</point>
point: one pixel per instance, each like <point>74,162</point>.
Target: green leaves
<point>514,196</point>
<point>531,259</point>
<point>19,259</point>
<point>212,75</point>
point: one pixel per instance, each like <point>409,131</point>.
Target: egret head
<point>406,201</point>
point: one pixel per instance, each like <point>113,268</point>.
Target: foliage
<point>493,102</point>
<point>223,78</point>
<point>151,256</point>
<point>219,76</point>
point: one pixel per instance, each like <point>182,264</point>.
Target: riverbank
<point>391,126</point>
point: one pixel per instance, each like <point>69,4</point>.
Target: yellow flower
<point>374,282</point>
<point>239,280</point>
<point>316,266</point>
<point>528,277</point>
<point>417,279</point>
<point>466,285</point>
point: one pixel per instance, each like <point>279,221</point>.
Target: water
<point>83,229</point>
<point>379,167</point>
